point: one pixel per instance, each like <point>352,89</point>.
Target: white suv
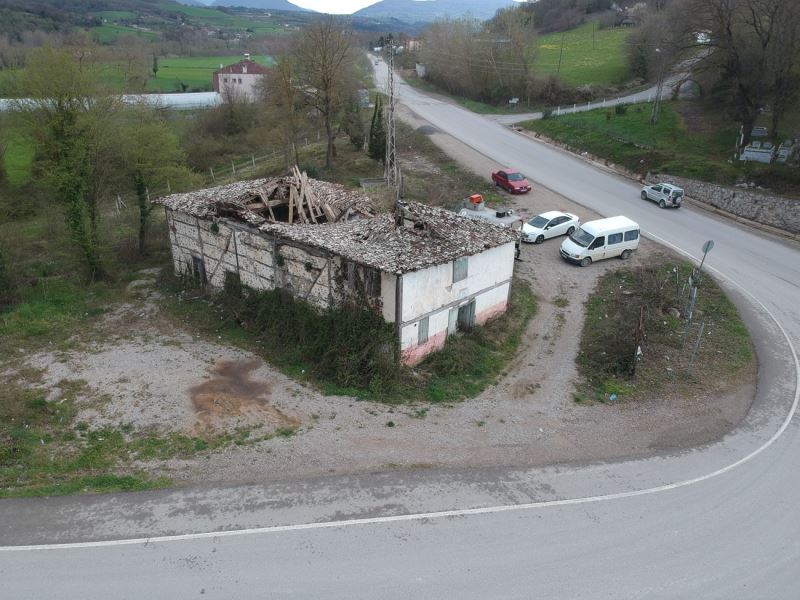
<point>665,194</point>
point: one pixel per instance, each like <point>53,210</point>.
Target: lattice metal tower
<point>391,134</point>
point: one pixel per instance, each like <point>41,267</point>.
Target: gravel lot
<point>154,374</point>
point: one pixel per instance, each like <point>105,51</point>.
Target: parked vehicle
<point>548,225</point>
<point>604,238</point>
<point>665,194</point>
<point>511,181</point>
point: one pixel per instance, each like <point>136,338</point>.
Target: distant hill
<point>429,10</point>
<point>262,4</point>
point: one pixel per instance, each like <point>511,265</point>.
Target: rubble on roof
<point>427,237</point>
<point>331,217</point>
<point>292,199</point>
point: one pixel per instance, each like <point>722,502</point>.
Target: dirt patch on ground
<point>231,396</point>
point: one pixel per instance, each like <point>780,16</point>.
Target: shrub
<point>620,109</point>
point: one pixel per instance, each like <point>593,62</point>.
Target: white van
<point>604,238</point>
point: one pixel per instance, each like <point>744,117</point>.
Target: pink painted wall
<point>413,355</point>
<point>491,312</point>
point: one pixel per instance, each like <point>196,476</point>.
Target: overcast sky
<point>334,6</point>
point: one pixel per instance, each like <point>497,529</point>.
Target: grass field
<point>629,140</point>
<point>590,56</point>
<point>193,72</point>
<point>105,34</point>
<point>18,158</point>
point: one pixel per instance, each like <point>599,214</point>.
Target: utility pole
<point>561,53</point>
<point>391,136</point>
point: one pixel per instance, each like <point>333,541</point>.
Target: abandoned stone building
<point>425,269</point>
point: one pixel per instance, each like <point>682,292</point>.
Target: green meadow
<point>178,73</point>
<point>591,56</point>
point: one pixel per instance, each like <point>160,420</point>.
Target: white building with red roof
<point>241,79</point>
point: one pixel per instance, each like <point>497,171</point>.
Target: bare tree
<point>286,102</point>
<point>746,39</point>
<point>324,52</point>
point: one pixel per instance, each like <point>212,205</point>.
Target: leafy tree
<point>72,121</point>
<point>377,133</point>
<point>152,158</point>
<point>352,124</point>
<point>154,68</point>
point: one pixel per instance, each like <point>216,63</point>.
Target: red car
<point>511,181</point>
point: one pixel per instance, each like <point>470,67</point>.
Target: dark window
<point>422,332</point>
<point>633,234</point>
<point>656,188</point>
<point>598,242</point>
<point>460,268</point>
<point>232,284</point>
<point>614,238</point>
<point>199,270</point>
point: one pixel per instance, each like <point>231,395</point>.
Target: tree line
<point>744,53</point>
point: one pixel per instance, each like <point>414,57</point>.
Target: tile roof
<point>429,236</point>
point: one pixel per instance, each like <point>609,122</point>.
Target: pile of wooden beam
<point>296,193</point>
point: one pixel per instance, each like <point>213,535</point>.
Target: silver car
<point>665,194</point>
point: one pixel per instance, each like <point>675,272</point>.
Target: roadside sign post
<point>706,249</point>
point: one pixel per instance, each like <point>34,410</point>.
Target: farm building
<point>425,269</point>
<point>239,80</point>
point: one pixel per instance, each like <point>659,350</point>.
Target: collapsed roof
<point>419,236</point>
<point>295,198</point>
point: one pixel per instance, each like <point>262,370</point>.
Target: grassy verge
<point>606,360</point>
<point>627,138</point>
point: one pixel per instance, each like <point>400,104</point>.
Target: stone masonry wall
<point>782,213</point>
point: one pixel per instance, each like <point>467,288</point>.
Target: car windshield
<point>538,222</point>
<point>515,177</point>
<point>582,238</point>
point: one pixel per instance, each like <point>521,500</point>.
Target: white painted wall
<point>429,289</point>
<point>248,88</point>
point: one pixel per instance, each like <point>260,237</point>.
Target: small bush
<point>620,109</point>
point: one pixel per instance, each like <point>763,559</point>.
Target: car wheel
<point>539,239</point>
<point>662,204</point>
<point>570,231</point>
<point>644,195</point>
<point>586,262</point>
<point>626,254</point>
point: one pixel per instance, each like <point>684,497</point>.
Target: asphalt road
<point>713,522</point>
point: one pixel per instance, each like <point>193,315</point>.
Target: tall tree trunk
<point>331,149</point>
<point>144,208</point>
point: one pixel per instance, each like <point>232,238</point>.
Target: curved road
<point>714,522</point>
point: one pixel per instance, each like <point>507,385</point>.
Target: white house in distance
<point>240,79</point>
<point>425,269</point>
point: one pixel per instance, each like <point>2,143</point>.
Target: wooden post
<point>254,160</point>
<point>212,174</point>
<point>233,168</point>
